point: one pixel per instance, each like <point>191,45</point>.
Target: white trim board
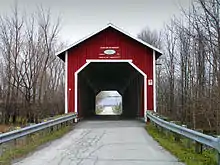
<point>114,27</point>
<point>66,83</point>
<point>154,82</point>
<point>127,61</point>
<point>107,60</point>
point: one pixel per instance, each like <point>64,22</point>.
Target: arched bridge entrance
<point>119,75</point>
<point>110,59</point>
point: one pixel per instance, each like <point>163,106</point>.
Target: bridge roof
<point>61,54</point>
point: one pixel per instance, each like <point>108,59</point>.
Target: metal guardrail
<point>191,134</point>
<point>13,135</point>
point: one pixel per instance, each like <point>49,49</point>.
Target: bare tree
<point>151,37</point>
<point>31,76</point>
<point>192,50</point>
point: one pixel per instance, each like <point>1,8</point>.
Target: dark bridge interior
<point>119,76</point>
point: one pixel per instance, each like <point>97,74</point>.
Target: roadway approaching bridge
<point>122,142</point>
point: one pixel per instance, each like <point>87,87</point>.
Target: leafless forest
<point>188,81</point>
<point>31,77</point>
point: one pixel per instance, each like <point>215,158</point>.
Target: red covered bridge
<point>110,59</point>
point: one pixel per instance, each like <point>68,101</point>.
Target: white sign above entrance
<point>109,52</point>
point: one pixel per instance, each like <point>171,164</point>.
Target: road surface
<point>107,111</point>
<point>103,143</point>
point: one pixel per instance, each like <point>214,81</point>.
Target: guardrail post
<point>51,129</point>
<point>187,143</point>
<point>167,132</point>
<point>15,142</point>
<point>176,135</point>
<point>1,149</point>
<point>198,146</point>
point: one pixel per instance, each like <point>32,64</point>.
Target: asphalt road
<point>103,143</point>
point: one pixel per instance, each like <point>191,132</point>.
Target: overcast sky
<point>82,17</point>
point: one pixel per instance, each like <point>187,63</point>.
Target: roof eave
<point>61,55</point>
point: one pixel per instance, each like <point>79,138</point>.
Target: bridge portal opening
<point>111,76</point>
<point>108,103</point>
